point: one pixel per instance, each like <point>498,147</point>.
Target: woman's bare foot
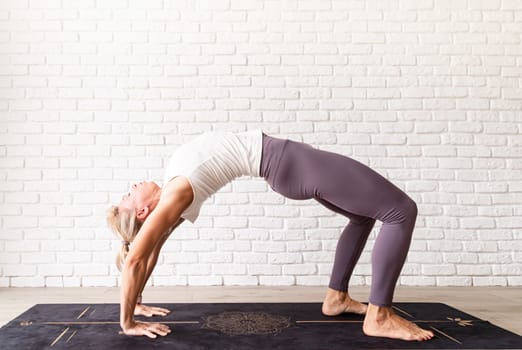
<point>383,322</point>
<point>337,302</point>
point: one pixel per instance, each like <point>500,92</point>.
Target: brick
<point>439,270</point>
<point>417,281</point>
<point>250,258</point>
<point>215,258</point>
<point>169,280</point>
<point>313,280</point>
<point>276,280</point>
<point>98,281</point>
<point>180,258</point>
<point>240,281</point>
<point>460,281</point>
<point>91,270</point>
<point>299,269</point>
<point>27,282</point>
<point>197,246</point>
<point>22,246</point>
<point>12,258</point>
<point>55,270</point>
<point>19,270</point>
<point>268,247</point>
<point>228,269</point>
<point>205,281</point>
<point>489,281</point>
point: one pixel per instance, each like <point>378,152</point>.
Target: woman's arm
<point>153,259</point>
<point>151,263</point>
<point>176,197</point>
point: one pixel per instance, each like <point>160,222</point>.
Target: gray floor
<point>499,305</point>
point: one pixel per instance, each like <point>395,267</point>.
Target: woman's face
<point>139,195</point>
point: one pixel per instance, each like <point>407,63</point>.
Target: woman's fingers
<point>150,311</point>
<point>156,328</point>
<point>151,330</point>
<point>160,311</point>
<point>163,330</point>
<point>155,311</point>
<point>149,334</point>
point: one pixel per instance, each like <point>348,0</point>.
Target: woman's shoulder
<point>180,188</point>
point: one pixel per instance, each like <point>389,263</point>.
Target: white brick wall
<point>95,94</point>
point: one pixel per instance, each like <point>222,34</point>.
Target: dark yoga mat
<point>245,326</point>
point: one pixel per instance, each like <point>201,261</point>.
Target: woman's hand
<point>149,329</point>
<point>149,311</point>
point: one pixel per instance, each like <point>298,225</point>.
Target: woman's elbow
<point>134,264</point>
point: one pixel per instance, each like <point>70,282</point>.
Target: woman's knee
<point>409,207</point>
<point>410,212</point>
<point>403,210</point>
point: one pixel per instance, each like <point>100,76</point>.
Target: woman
<point>148,214</point>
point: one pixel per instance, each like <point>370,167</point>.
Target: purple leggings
<point>299,171</point>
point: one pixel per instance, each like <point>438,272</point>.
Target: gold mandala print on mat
<point>247,323</point>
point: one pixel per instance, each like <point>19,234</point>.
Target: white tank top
<point>212,160</point>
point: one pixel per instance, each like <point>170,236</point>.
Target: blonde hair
<point>126,225</point>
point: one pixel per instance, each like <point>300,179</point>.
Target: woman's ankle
<point>336,295</point>
<point>377,312</point>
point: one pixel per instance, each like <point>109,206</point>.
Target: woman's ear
<point>141,214</point>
